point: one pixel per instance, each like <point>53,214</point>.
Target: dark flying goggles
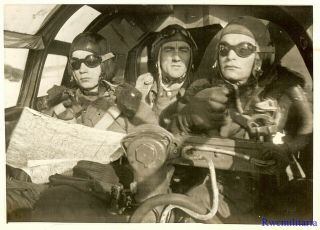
<point>171,31</point>
<point>243,49</point>
<point>91,60</point>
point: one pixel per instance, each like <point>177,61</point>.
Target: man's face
<point>234,68</point>
<point>85,76</point>
<point>175,58</point>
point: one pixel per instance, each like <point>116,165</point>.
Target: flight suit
<point>282,97</point>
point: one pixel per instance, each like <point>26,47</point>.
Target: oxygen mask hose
<point>181,201</point>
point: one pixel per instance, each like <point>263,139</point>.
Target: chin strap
<point>88,92</point>
<point>169,80</point>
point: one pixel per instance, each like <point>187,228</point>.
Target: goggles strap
<point>107,56</point>
<point>88,91</point>
<point>267,49</point>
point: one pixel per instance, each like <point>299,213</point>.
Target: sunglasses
<point>243,49</point>
<point>91,60</point>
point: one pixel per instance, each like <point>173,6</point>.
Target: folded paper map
<point>43,145</point>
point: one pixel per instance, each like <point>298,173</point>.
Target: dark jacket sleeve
<point>299,123</point>
<point>300,118</point>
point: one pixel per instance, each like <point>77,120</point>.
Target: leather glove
<point>17,174</point>
<point>56,95</point>
<point>279,153</point>
<point>128,99</point>
<point>206,110</point>
<point>291,145</point>
<point>285,159</point>
<point>60,102</point>
<point>70,106</point>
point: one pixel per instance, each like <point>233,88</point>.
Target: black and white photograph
<point>159,113</point>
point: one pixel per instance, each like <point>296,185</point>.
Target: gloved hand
<point>17,174</point>
<point>291,145</point>
<point>286,161</point>
<point>60,103</point>
<point>56,94</point>
<point>128,99</point>
<point>279,153</point>
<point>207,109</point>
<point>69,107</point>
